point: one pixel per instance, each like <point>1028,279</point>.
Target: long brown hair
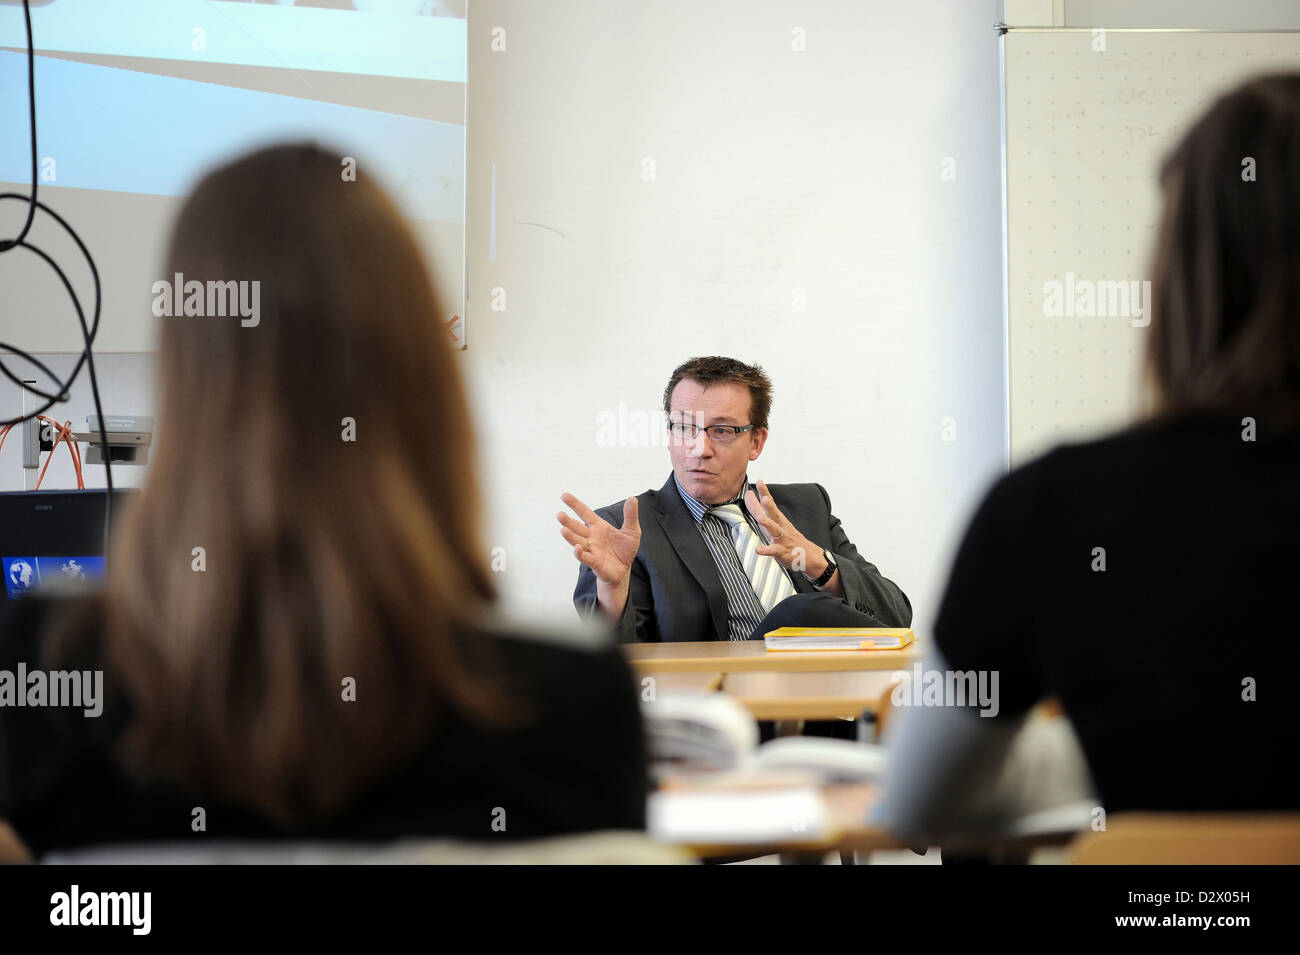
<point>1225,326</point>
<point>323,459</point>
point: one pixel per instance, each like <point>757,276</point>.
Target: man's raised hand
<point>606,549</point>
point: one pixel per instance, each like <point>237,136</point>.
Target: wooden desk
<point>848,808</point>
<point>12,850</point>
<point>739,656</point>
<point>685,681</point>
<point>809,696</point>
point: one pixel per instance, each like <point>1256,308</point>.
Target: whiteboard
<point>1085,132</point>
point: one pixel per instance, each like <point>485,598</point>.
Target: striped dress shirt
<point>744,609</point>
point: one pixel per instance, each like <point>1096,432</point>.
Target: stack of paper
<point>738,818</point>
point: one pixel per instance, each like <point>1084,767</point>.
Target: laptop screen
<point>53,537</point>
<point>27,572</point>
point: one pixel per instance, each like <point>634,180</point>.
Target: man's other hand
<point>791,549</point>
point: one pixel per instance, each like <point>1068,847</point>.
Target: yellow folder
<point>839,638</point>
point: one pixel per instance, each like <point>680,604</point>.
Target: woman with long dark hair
<point>296,626</point>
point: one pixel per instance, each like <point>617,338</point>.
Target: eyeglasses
<point>719,433</point>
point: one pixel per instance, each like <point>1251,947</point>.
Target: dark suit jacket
<point>676,593</point>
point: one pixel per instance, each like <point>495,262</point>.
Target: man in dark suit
<point>718,558</point>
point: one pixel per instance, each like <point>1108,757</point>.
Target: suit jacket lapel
<point>684,534</point>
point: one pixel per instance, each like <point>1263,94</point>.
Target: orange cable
<point>65,435</point>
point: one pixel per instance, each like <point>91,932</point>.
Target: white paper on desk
<point>1072,817</point>
<point>738,817</point>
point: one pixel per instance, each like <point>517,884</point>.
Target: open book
<point>720,786</point>
<point>839,638</point>
<point>703,730</point>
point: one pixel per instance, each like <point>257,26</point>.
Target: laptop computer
<point>48,538</point>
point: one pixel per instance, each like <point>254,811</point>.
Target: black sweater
<point>579,765</point>
<point>1155,657</point>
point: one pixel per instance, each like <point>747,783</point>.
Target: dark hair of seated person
<point>322,666</point>
<point>1225,323</point>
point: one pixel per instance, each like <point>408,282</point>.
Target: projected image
<point>137,99</point>
<point>218,78</point>
<point>424,8</point>
<point>25,574</point>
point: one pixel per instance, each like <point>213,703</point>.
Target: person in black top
<point>1145,580</point>
<point>62,786</point>
<point>296,630</point>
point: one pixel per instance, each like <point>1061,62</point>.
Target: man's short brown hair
<point>715,369</point>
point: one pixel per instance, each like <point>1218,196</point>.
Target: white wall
<point>775,169</point>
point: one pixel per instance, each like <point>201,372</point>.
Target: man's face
<point>708,470</point>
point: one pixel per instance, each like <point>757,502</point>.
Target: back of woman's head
<point>1225,330</point>
<point>283,598</point>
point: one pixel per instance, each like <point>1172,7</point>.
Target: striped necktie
<point>769,580</point>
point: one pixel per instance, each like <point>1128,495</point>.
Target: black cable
<point>88,332</point>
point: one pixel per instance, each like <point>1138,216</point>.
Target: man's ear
<point>760,439</point>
